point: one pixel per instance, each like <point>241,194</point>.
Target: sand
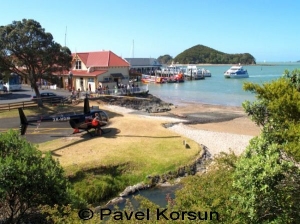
<point>219,128</point>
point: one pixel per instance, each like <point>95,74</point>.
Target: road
<point>38,133</point>
<point>26,93</point>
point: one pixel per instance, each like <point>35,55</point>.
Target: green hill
<point>200,54</point>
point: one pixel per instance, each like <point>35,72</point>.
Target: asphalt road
<point>26,93</point>
<point>38,133</point>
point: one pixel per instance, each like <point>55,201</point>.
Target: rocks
<point>147,103</point>
<point>132,189</point>
<point>199,165</point>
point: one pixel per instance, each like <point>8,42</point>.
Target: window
<point>78,64</point>
<point>90,80</point>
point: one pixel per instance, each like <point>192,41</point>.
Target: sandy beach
<point>219,128</point>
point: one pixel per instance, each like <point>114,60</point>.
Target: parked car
<point>50,97</point>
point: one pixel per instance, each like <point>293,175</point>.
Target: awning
<point>117,75</point>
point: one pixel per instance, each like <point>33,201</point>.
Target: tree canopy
<point>202,54</point>
<point>277,110</point>
<point>27,50</point>
<point>165,59</point>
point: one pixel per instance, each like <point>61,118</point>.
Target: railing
<point>32,103</point>
<point>122,91</point>
<point>23,105</point>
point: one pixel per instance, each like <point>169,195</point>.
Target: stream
<point>156,195</point>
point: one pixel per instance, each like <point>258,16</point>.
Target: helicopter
<point>80,121</point>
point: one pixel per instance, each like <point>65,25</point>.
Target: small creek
<point>156,195</point>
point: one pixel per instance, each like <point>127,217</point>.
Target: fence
<point>24,104</point>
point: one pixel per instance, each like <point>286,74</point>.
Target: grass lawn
<point>143,144</point>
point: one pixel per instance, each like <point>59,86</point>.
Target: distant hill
<point>200,54</point>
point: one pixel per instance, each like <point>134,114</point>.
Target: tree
<point>203,54</point>
<point>27,50</point>
<point>166,59</point>
<point>211,191</point>
<point>27,179</point>
<point>267,175</point>
<point>277,110</point>
<point>268,182</point>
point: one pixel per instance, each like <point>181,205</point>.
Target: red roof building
<point>91,69</point>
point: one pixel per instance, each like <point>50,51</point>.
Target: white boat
<point>236,71</point>
<point>192,72</point>
<point>170,70</point>
<point>205,72</point>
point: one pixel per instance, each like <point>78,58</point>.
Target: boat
<point>236,71</point>
<point>192,72</point>
<point>160,80</point>
<point>152,79</point>
<point>146,78</point>
<point>170,70</point>
<point>176,78</point>
<point>205,72</point>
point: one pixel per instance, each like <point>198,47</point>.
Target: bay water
<point>218,90</point>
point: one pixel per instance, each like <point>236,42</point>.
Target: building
<point>90,70</point>
<point>143,65</point>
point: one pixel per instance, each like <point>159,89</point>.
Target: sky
<point>267,29</point>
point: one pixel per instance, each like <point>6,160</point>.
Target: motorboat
<point>170,70</point>
<point>176,78</point>
<point>236,72</point>
<point>192,72</point>
<point>205,72</point>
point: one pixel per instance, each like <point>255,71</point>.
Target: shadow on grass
<point>108,133</point>
<point>113,170</point>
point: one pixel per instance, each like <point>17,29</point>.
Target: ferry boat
<point>236,72</point>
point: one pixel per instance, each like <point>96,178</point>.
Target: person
<point>96,124</point>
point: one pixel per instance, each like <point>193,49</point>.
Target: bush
<point>27,179</point>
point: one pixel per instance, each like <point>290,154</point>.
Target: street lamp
<point>71,80</point>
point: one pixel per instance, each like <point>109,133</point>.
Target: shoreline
<point>219,128</point>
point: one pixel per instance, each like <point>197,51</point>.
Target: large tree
<point>27,50</point>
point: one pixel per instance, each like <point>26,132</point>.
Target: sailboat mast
<point>66,37</point>
<point>132,48</point>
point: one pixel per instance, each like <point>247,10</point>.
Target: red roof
<point>101,59</point>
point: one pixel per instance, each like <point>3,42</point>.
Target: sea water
<point>217,89</point>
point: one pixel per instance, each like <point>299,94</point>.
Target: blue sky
<point>267,29</point>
